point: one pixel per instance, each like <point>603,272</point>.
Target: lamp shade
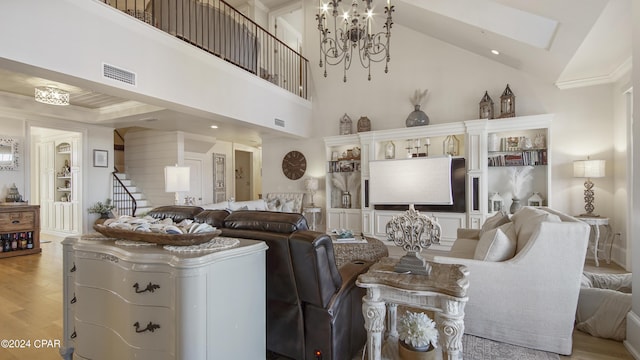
<point>589,168</point>
<point>311,184</point>
<point>176,178</point>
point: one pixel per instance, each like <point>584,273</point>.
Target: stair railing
<point>122,198</point>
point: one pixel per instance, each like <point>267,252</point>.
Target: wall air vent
<point>114,73</point>
<point>279,122</point>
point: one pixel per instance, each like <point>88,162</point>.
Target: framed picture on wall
<point>100,158</point>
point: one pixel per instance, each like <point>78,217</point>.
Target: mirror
<point>8,154</point>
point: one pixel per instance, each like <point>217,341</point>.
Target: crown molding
<point>612,77</point>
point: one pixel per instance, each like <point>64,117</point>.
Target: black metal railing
<point>123,200</point>
<point>216,27</point>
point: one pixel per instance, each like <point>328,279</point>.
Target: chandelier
<point>351,35</point>
<point>51,95</point>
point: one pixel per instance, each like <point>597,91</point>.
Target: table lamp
<point>176,179</point>
<point>311,185</point>
<point>588,169</point>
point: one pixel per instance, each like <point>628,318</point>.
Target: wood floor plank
<point>31,308</point>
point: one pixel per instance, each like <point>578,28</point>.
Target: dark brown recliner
<point>311,305</point>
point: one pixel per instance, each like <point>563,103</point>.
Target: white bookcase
<point>473,139</point>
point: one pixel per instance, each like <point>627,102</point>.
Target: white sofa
<point>281,202</point>
<point>523,293</point>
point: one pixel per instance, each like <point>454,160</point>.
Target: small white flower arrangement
<point>417,330</point>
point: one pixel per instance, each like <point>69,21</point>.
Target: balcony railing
<point>217,28</point>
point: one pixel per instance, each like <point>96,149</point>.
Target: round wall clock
<point>294,165</point>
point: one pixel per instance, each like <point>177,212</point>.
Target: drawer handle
<point>150,288</point>
<point>73,269</point>
<point>73,335</point>
<point>15,222</point>
<point>151,327</point>
<point>74,300</point>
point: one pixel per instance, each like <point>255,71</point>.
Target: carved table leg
<point>392,330</point>
<point>374,314</point>
<point>451,328</point>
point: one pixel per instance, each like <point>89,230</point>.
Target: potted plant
<point>104,209</point>
<point>417,336</point>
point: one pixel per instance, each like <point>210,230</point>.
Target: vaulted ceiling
<point>569,43</point>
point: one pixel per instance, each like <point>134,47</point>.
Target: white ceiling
<point>568,43</point>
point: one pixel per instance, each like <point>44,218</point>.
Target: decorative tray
<point>157,238</point>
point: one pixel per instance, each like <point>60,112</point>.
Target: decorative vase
<point>346,200</point>
<point>408,352</point>
<point>417,117</point>
<point>515,205</point>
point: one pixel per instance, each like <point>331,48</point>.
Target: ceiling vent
<point>279,122</point>
<point>117,74</point>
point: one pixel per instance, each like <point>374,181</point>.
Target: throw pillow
<point>501,217</point>
<point>498,244</point>
<point>274,205</point>
<point>527,221</point>
<point>287,205</point>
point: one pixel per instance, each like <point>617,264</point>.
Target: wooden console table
<point>444,292</point>
<point>23,221</point>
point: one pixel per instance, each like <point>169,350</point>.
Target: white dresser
<point>126,302</point>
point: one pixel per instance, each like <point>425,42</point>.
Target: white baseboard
<point>632,343</point>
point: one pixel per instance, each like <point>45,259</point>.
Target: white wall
<point>13,128</point>
<point>146,154</point>
<point>456,80</point>
<point>633,318</point>
<point>169,71</point>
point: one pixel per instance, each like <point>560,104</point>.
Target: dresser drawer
<point>144,327</point>
<point>137,287</point>
<point>16,221</point>
<point>99,343</point>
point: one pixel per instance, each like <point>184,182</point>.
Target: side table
<point>444,292</point>
<point>313,213</point>
<point>595,222</point>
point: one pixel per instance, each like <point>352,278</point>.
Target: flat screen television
<point>458,189</point>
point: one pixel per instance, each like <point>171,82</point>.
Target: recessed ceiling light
<point>214,126</point>
<point>495,52</point>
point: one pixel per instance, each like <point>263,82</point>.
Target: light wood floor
<point>31,308</point>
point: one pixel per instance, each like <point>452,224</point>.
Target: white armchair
<point>530,298</point>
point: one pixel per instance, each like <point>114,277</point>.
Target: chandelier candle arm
<point>353,29</point>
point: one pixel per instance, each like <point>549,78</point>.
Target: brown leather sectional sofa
<point>313,307</point>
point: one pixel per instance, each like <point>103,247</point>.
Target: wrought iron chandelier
<point>352,30</point>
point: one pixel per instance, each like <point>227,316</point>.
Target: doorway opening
<point>243,175</point>
<point>56,172</point>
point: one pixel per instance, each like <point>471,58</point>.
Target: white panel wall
<point>146,155</point>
